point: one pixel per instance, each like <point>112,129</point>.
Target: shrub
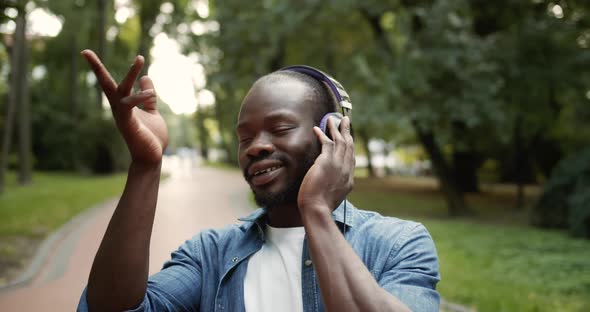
<point>565,202</point>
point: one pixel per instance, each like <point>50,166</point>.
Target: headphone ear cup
<point>336,117</point>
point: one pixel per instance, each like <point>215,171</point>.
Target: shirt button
<point>234,259</point>
<point>307,262</point>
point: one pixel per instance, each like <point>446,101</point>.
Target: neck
<point>286,215</point>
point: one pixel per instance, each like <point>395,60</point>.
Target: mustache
<point>254,160</point>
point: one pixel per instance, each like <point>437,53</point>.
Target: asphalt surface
<point>191,199</point>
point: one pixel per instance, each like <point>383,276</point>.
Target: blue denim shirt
<point>207,272</point>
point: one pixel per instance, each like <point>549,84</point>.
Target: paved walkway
<point>192,199</point>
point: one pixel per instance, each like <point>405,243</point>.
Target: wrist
<point>145,168</point>
<point>316,215</point>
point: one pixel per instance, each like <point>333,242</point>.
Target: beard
<point>287,195</point>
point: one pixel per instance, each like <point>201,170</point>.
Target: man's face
<point>277,144</point>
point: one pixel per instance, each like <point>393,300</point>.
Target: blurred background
<point>470,116</point>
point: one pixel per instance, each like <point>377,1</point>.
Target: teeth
<point>265,170</point>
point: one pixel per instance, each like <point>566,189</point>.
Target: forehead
<point>271,97</point>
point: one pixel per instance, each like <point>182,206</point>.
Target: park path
<point>192,199</point>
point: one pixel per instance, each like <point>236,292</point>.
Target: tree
<point>24,110</point>
<point>17,101</point>
<point>446,85</point>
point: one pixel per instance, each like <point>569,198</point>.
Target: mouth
<point>265,176</point>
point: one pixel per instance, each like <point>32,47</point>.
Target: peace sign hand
<point>144,130</point>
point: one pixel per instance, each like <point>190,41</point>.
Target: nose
<point>261,146</point>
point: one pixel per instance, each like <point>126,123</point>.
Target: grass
<point>492,261</point>
<point>52,200</point>
<point>29,213</point>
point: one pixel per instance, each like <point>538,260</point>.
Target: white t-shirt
<point>273,278</point>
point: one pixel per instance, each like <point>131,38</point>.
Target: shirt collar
<point>259,215</point>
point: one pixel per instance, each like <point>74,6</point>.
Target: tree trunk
<point>453,196</point>
<point>15,56</point>
<point>466,160</point>
<point>8,128</point>
<point>364,137</point>
<point>102,44</point>
<point>103,161</point>
<point>74,104</point>
<point>465,165</point>
<point>24,109</point>
<point>519,159</point>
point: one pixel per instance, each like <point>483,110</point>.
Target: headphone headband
<point>337,89</point>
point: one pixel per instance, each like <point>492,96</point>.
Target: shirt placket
<point>230,291</point>
<point>309,283</point>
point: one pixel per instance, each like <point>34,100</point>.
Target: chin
<point>269,199</point>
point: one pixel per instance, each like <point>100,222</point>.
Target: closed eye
<point>244,140</point>
<point>282,130</point>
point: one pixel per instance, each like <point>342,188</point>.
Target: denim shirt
<point>207,272</point>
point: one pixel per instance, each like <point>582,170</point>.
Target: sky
<point>179,79</point>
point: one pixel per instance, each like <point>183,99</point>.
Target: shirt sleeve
<point>411,272</point>
<point>177,287</point>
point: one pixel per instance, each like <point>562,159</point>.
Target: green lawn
<point>52,200</point>
<point>492,261</point>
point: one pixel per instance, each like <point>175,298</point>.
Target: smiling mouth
<point>266,176</point>
<point>257,173</point>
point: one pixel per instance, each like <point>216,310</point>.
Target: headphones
<point>335,88</point>
<point>342,98</point>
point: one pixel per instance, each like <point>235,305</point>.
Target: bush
<point>89,144</point>
<point>565,202</point>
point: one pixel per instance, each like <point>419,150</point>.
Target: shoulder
<point>218,237</point>
<point>398,236</point>
<point>380,226</point>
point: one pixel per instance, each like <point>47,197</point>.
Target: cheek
<point>242,158</point>
<point>302,145</point>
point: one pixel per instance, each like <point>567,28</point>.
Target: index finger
<point>127,84</point>
<point>327,144</point>
<point>108,84</point>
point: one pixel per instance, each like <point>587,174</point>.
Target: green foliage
<point>566,199</point>
<point>492,79</point>
<point>487,80</point>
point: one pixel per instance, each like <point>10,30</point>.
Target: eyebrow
<point>276,115</point>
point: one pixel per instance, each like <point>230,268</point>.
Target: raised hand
<point>144,130</point>
<point>330,179</point>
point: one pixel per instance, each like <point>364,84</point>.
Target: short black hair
<point>326,102</point>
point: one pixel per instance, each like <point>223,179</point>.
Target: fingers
<point>345,129</point>
<point>342,143</point>
<point>143,96</point>
<point>146,83</point>
<point>346,133</point>
<point>127,84</point>
<point>327,144</point>
<point>332,127</point>
<point>107,83</point>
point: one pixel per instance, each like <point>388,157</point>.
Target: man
<point>308,249</point>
